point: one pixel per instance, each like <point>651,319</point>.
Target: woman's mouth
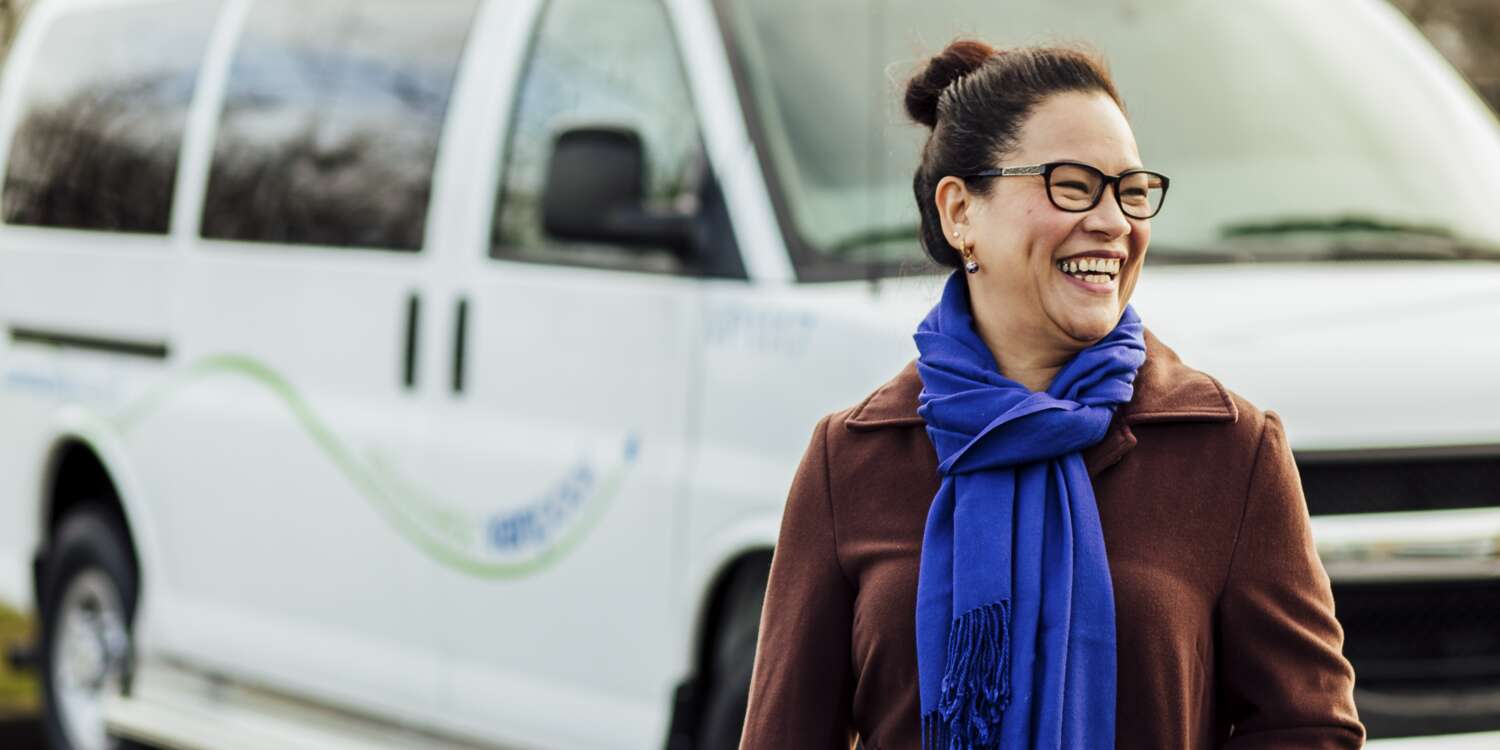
<point>1092,274</point>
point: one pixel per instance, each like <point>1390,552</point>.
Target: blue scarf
<point>1015,608</point>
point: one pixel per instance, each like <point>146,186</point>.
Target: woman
<point>1046,530</point>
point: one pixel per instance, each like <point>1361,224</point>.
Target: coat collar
<point>1165,390</point>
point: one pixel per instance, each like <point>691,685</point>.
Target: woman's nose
<point>1106,216</point>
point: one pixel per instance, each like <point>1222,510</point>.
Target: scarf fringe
<point>976,682</point>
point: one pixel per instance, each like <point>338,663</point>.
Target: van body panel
<point>300,487</point>
<point>1355,355</point>
<point>596,438</point>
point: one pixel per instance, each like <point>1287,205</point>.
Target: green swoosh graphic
<point>435,529</point>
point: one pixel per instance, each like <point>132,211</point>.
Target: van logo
<point>514,542</point>
<point>763,330</point>
<point>536,524</point>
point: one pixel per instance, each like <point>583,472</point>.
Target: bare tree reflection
<point>358,192</point>
<point>105,158</point>
<point>331,121</point>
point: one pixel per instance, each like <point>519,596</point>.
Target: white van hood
<point>1350,354</point>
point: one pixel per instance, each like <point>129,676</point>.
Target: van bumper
<point>1418,596</point>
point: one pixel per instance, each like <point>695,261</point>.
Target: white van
<point>410,374</point>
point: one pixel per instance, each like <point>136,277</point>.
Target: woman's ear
<point>953,203</point>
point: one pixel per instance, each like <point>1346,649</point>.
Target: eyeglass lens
<point>1077,188</point>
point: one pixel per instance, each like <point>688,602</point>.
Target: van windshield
<point>1291,130</point>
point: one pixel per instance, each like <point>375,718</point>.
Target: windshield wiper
<point>1355,237</point>
<point>1347,223</point>
<point>1158,254</point>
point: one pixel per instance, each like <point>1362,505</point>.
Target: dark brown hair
<point>975,99</point>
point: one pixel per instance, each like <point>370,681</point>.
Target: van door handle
<point>460,325</point>
<point>413,315</point>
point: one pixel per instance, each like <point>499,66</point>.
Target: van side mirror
<point>595,189</point>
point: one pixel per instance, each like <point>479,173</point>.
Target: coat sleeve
<point>1284,678</point>
<point>802,684</point>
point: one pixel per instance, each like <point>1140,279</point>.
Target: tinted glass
<point>1079,188</point>
<point>598,63</point>
<point>331,122</point>
<point>1141,193</point>
<point>1075,188</point>
<point>1264,113</point>
<point>102,117</point>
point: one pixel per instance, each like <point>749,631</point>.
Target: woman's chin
<point>1090,325</point>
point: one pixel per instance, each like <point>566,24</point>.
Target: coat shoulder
<point>1253,423</point>
<point>879,444</point>
<point>1231,445</point>
<point>891,404</point>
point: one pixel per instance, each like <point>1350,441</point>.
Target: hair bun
<point>959,58</point>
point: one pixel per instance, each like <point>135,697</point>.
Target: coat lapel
<point>1165,390</point>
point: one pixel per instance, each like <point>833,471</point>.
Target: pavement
<point>25,733</point>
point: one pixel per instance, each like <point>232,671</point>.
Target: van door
<point>285,512</point>
<point>562,447</point>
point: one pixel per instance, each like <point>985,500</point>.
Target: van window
<point>102,115</point>
<point>1289,129</point>
<point>598,63</point>
<point>331,120</point>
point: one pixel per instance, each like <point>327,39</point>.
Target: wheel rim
<point>88,651</point>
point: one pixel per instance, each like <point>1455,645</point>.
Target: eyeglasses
<point>1076,187</point>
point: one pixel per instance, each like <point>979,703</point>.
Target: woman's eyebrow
<point>1096,166</point>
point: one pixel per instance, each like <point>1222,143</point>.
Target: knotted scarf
<point>1015,608</point>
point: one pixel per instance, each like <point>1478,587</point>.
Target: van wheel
<point>88,602</point>
<point>733,658</point>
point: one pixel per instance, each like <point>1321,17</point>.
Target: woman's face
<point>1019,237</point>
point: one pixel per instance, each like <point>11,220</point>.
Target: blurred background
<point>1466,32</point>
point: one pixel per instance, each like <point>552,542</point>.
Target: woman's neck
<point>1021,350</point>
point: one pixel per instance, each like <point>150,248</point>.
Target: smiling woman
<point>1023,239</point>
<point>958,565</point>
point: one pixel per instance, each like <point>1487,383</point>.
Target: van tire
<point>733,657</point>
<point>89,561</point>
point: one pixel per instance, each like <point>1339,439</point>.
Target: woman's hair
<point>975,99</point>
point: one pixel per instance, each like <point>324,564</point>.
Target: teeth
<point>1109,266</point>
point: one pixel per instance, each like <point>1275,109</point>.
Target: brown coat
<point>1225,626</point>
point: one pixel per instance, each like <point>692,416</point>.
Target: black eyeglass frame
<point>1045,170</point>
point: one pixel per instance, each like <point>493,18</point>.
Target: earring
<point>971,265</point>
